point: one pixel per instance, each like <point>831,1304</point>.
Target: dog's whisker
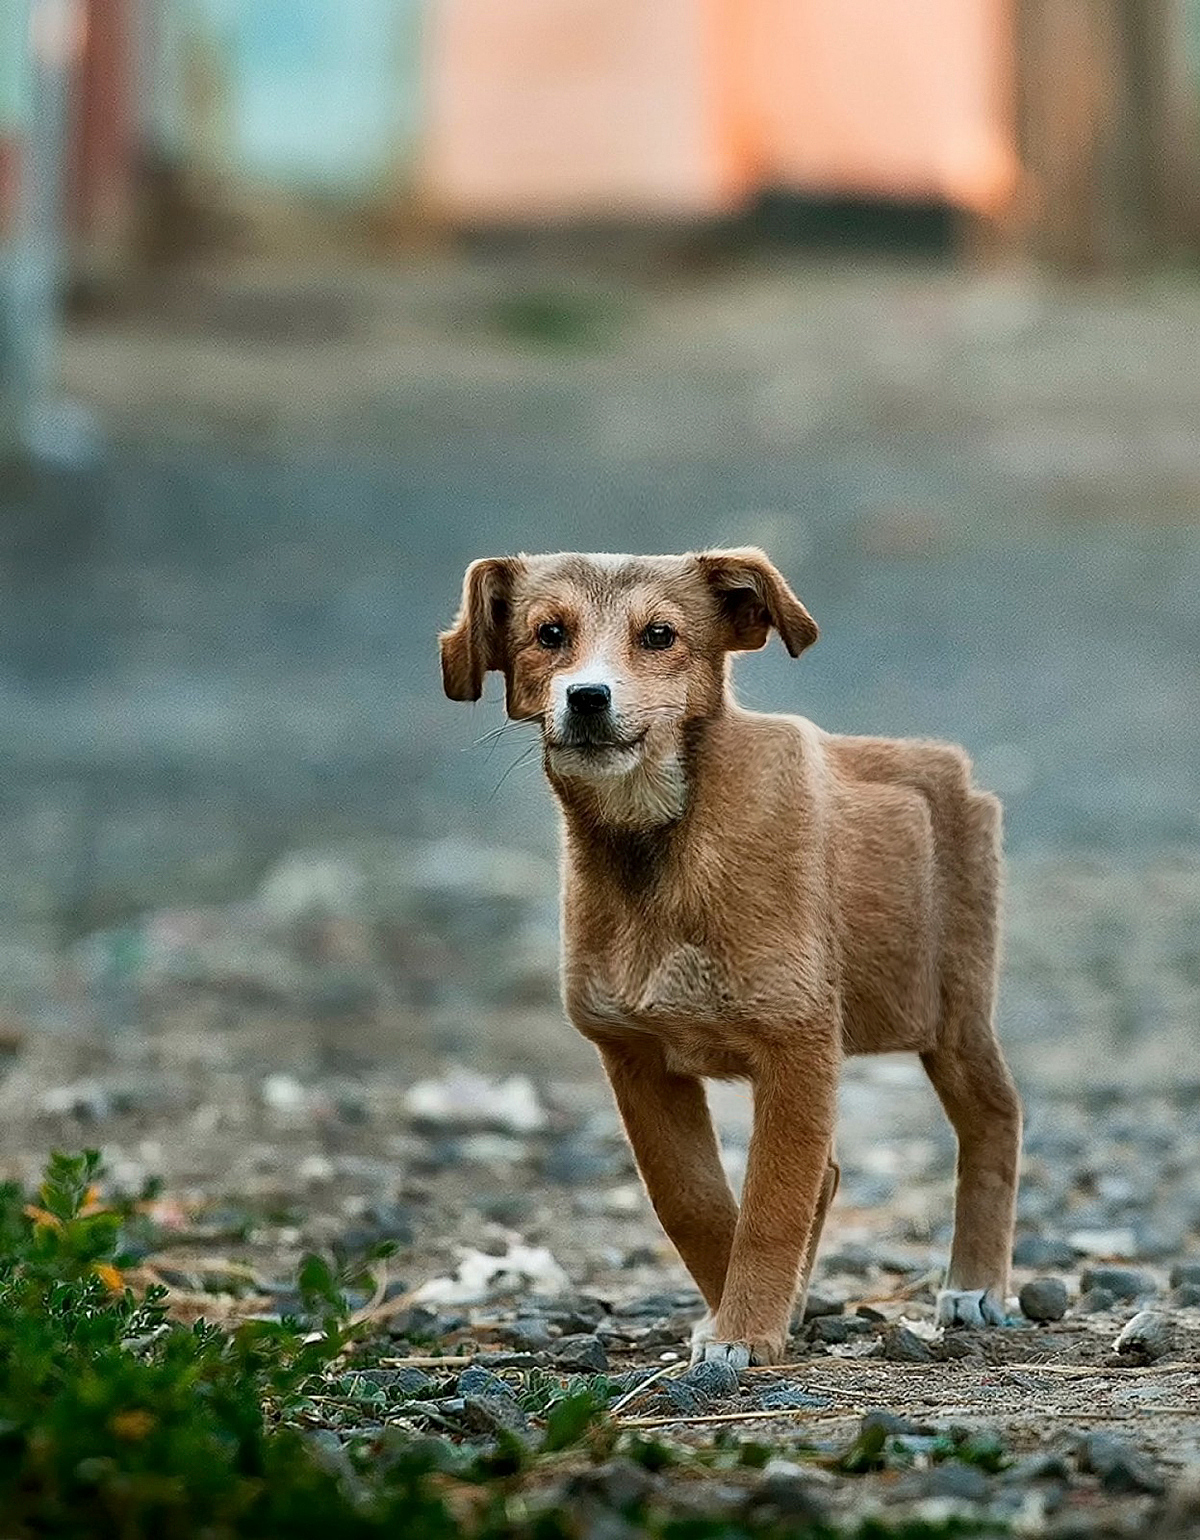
<point>523,758</point>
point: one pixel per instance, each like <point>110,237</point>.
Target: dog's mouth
<point>594,747</point>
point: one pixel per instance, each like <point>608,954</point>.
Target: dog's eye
<point>552,634</point>
<point>658,637</point>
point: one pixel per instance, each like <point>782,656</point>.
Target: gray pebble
<point>1095,1302</point>
<point>790,1398</point>
<point>475,1381</point>
<point>1120,1467</point>
<point>1121,1282</point>
<point>579,1355</point>
<point>793,1499</point>
<point>901,1346</point>
<point>856,1261</point>
<point>618,1484</point>
<point>821,1304</point>
<point>891,1423</point>
<point>711,1381</point>
<point>963,1483</point>
<point>410,1383</point>
<point>1036,1467</point>
<point>1042,1251</point>
<point>1044,1299</point>
<point>508,1361</point>
<point>1148,1336</point>
<point>492,1414</point>
<point>529,1334</point>
<point>1185,1274</point>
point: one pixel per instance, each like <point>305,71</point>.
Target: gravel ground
<point>236,933</point>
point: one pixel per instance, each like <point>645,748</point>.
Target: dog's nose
<point>588,699</point>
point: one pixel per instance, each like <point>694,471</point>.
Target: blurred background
<point>305,303</point>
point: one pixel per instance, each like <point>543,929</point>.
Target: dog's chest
<point>685,985</point>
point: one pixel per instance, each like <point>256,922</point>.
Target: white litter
<point>284,1093</point>
<point>463,1099</point>
<point>479,1277</point>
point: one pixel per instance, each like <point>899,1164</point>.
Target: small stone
<point>870,1314</point>
<point>1121,1282</point>
<point>832,1330</point>
<point>1148,1336</point>
<point>579,1355</point>
<point>415,1323</point>
<point>1042,1251</point>
<point>650,1304</point>
<point>1036,1467</point>
<point>529,1334</point>
<point>817,1305</point>
<point>962,1483</point>
<point>792,1399</point>
<point>1095,1302</point>
<point>1044,1299</point>
<point>792,1499</point>
<point>901,1346</point>
<point>1185,1297</point>
<point>711,1381</point>
<point>891,1423</point>
<point>412,1383</point>
<point>618,1484</point>
<point>1185,1274</point>
<point>581,1315</point>
<point>574,1162</point>
<point>475,1381</point>
<point>508,1361</point>
<point>492,1414</point>
<point>1120,1467</point>
<point>855,1261</point>
<point>510,1209</point>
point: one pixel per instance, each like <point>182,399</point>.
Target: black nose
<point>588,699</point>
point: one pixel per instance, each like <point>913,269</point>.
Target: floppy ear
<point>753,596</point>
<point>475,643</point>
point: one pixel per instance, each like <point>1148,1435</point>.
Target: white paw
<point>707,1349</point>
<point>969,1307</point>
<point>735,1354</point>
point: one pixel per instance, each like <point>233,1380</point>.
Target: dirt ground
<point>236,940</point>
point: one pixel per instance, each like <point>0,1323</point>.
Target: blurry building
<point>1065,126</point>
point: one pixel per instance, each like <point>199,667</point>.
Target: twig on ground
<point>776,1414</point>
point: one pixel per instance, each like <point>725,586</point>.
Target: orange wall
<point>561,108</point>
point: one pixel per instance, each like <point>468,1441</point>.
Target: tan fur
<point>746,896</point>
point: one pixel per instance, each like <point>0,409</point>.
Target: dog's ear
<point>753,596</point>
<point>475,643</point>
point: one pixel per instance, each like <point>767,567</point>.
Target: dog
<point>748,897</point>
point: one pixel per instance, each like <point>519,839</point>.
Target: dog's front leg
<point>795,1098</point>
<point>667,1119</point>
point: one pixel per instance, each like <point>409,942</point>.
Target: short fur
<point>746,896</point>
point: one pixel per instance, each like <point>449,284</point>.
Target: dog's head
<point>615,655</point>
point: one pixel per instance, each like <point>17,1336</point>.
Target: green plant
<point>117,1423</point>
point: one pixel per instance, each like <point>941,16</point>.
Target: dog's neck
<point>652,796</point>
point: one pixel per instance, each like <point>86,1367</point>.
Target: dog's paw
<point>736,1354</point>
<point>709,1344</point>
<point>969,1307</point>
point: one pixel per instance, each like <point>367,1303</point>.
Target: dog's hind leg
<point>981,1101</point>
<point>972,1080</point>
<point>833,1176</point>
<point>670,1129</point>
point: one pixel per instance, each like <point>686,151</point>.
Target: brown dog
<point>746,896</point>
